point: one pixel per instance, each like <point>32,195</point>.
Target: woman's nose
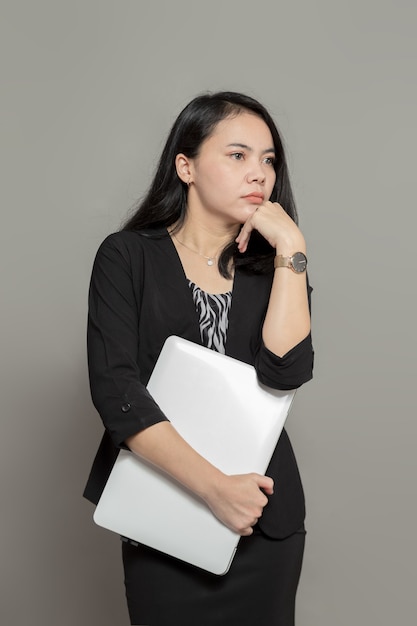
<point>256,174</point>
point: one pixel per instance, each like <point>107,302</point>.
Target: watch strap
<point>282,261</point>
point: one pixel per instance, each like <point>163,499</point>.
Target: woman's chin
<point>247,212</point>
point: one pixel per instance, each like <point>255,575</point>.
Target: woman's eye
<point>237,155</point>
<point>269,160</point>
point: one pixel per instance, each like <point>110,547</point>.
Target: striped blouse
<point>213,311</point>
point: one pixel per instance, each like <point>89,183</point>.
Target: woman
<point>212,254</point>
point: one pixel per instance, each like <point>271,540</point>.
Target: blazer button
<point>126,407</point>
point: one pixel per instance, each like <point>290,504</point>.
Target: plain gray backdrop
<point>90,90</point>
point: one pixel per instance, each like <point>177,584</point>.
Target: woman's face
<point>234,171</point>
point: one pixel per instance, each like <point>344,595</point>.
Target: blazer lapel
<point>247,313</point>
<point>182,316</point>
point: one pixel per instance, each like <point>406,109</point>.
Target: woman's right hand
<point>238,501</point>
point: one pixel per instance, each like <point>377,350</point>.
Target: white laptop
<point>217,404</point>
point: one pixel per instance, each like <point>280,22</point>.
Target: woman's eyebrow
<point>245,147</point>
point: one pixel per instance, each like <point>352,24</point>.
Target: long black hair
<point>165,203</point>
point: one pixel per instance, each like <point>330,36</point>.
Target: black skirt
<point>258,590</point>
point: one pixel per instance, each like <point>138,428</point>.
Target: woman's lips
<point>256,198</point>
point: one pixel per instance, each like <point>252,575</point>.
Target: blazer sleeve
<point>124,404</point>
<point>291,370</point>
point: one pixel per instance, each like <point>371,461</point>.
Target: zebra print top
<point>213,311</point>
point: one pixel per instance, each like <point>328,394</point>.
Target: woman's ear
<point>183,167</point>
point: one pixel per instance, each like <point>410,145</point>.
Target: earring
<point>189,183</point>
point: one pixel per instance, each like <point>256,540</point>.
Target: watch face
<point>299,262</point>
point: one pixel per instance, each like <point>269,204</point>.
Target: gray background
<point>90,91</point>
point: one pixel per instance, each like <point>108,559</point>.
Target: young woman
<point>213,254</point>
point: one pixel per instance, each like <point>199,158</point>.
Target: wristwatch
<point>297,262</point>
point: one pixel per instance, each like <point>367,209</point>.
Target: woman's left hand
<point>276,226</point>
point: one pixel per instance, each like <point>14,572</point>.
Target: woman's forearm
<point>162,446</point>
<point>237,501</point>
<point>287,320</point>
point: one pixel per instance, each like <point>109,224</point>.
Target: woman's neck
<point>206,239</point>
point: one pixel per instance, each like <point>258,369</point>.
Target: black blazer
<point>138,297</point>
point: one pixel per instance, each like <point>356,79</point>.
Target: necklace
<point>210,259</point>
